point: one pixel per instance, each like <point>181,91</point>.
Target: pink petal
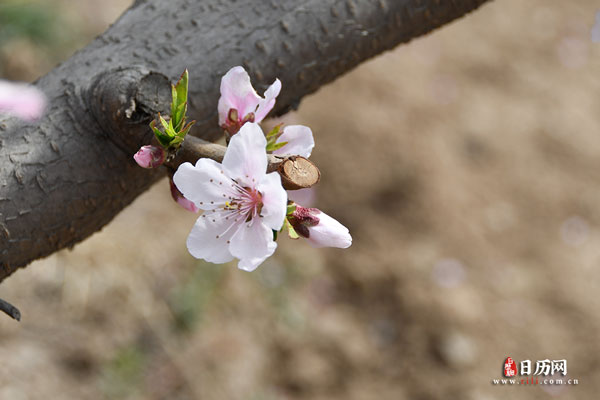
<point>274,198</point>
<point>203,242</point>
<point>206,183</point>
<point>265,105</point>
<point>21,100</point>
<point>246,158</point>
<point>236,92</point>
<point>329,233</point>
<point>252,244</point>
<point>299,140</point>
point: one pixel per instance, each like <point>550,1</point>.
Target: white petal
<point>329,233</point>
<point>206,183</point>
<point>265,105</point>
<point>252,244</point>
<point>203,241</point>
<point>274,198</point>
<point>299,140</point>
<point>237,92</point>
<point>246,158</point>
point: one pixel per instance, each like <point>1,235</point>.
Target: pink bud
<point>182,201</point>
<point>149,156</point>
<point>319,228</point>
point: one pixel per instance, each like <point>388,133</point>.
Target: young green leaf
<point>275,146</point>
<point>274,131</point>
<point>182,88</point>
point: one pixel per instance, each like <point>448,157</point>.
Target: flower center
<point>253,200</point>
<point>249,203</point>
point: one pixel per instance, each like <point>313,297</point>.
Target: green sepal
<point>275,233</point>
<point>290,209</point>
<point>290,229</point>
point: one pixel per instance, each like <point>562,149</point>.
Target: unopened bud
<point>149,156</point>
<point>319,228</point>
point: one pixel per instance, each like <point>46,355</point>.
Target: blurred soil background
<point>466,165</point>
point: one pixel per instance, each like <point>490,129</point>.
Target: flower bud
<point>319,228</point>
<point>149,156</point>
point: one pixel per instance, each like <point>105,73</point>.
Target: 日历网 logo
<point>543,372</point>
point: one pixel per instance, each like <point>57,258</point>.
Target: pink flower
<point>149,156</point>
<point>319,228</point>
<point>239,103</point>
<point>21,100</point>
<point>242,204</point>
<point>182,201</point>
<point>299,140</point>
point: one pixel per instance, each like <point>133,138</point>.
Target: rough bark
<point>65,177</point>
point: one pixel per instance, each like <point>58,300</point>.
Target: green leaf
<point>176,141</point>
<point>179,116</point>
<point>163,139</point>
<point>274,131</point>
<point>163,122</point>
<point>186,129</point>
<point>181,88</point>
<point>179,101</point>
<point>174,102</point>
<point>275,146</point>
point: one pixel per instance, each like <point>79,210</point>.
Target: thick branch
<point>67,176</point>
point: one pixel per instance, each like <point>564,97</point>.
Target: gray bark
<point>66,176</point>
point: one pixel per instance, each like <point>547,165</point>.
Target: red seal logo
<point>510,367</point>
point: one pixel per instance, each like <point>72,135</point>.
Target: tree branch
<point>10,310</point>
<point>296,172</point>
<point>65,177</point>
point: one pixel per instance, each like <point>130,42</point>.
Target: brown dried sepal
<point>298,173</point>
